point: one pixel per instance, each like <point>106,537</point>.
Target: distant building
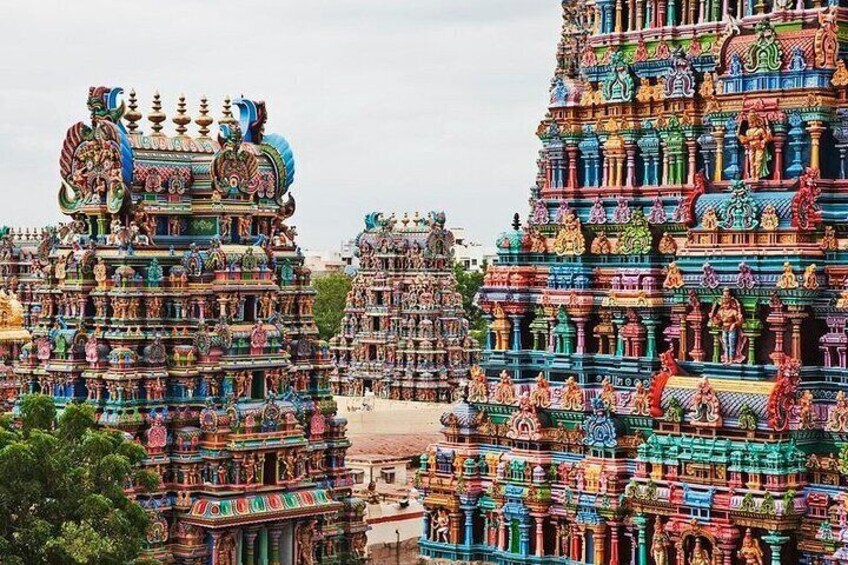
<point>324,262</point>
<point>470,254</point>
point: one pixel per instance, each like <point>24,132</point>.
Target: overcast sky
<point>388,104</point>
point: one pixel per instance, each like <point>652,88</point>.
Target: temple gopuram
<point>404,333</point>
<point>664,380</point>
<point>175,301</point>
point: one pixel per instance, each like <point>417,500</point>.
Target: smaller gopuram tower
<point>404,334</point>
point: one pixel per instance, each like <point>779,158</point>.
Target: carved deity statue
<point>755,140</point>
<point>660,544</point>
<point>750,553</point>
<point>727,316</point>
<point>700,555</point>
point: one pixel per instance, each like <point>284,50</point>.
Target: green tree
<point>468,283</point>
<point>330,303</point>
<point>62,489</point>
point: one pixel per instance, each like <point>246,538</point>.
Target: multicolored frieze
<point>404,333</point>
<point>665,373</point>
<point>175,301</point>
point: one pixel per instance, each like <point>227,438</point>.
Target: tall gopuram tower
<point>175,301</point>
<point>664,379</point>
<point>404,333</point>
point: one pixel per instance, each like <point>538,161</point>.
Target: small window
<point>388,475</point>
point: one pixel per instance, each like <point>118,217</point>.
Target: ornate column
<point>580,322</point>
<point>571,149</point>
<point>598,535</point>
<point>516,331</point>
<point>775,541</point>
<point>641,521</point>
<point>274,534</point>
<point>454,527</point>
<point>540,536</point>
<point>650,323</point>
<point>691,147</point>
<point>469,526</point>
<point>815,129</point>
<point>613,557</point>
<point>718,135</point>
<point>796,136</point>
<point>796,318</point>
<point>524,538</point>
<point>731,149</point>
<point>502,533</point>
<point>779,140</point>
<point>249,539</point>
<point>630,180</point>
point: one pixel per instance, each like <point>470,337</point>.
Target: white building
<point>341,260</point>
<point>472,255</point>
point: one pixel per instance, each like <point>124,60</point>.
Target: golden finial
<point>204,120</point>
<point>157,116</point>
<point>133,115</point>
<point>227,118</point>
<point>181,119</point>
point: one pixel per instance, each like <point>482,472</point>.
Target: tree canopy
<point>467,284</point>
<point>62,489</point>
<point>330,303</point>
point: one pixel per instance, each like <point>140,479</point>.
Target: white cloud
<point>388,104</point>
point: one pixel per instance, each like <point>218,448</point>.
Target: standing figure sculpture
<point>755,140</point>
<point>727,316</point>
<point>700,555</point>
<point>750,552</point>
<point>660,544</point>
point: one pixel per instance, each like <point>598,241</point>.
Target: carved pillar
<point>613,557</point>
<point>777,324</point>
<point>598,535</point>
<point>469,526</point>
<point>540,536</point>
<point>641,521</point>
<point>779,140</point>
<point>524,538</point>
<point>630,180</point>
<point>650,324</point>
<point>502,533</point>
<point>691,147</point>
<point>454,527</point>
<point>274,540</point>
<point>718,135</point>
<point>815,129</point>
<point>572,166</point>
<point>249,539</point>
<point>775,541</point>
<point>516,332</point>
<point>796,318</point>
<point>580,322</point>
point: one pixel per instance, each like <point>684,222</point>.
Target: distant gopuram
<point>665,373</point>
<point>404,333</point>
<point>175,301</point>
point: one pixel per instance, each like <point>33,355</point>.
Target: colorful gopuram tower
<point>665,374</point>
<point>404,333</point>
<point>175,301</point>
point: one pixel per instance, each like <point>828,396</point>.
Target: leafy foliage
<point>468,283</point>
<point>62,481</point>
<point>330,303</point>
